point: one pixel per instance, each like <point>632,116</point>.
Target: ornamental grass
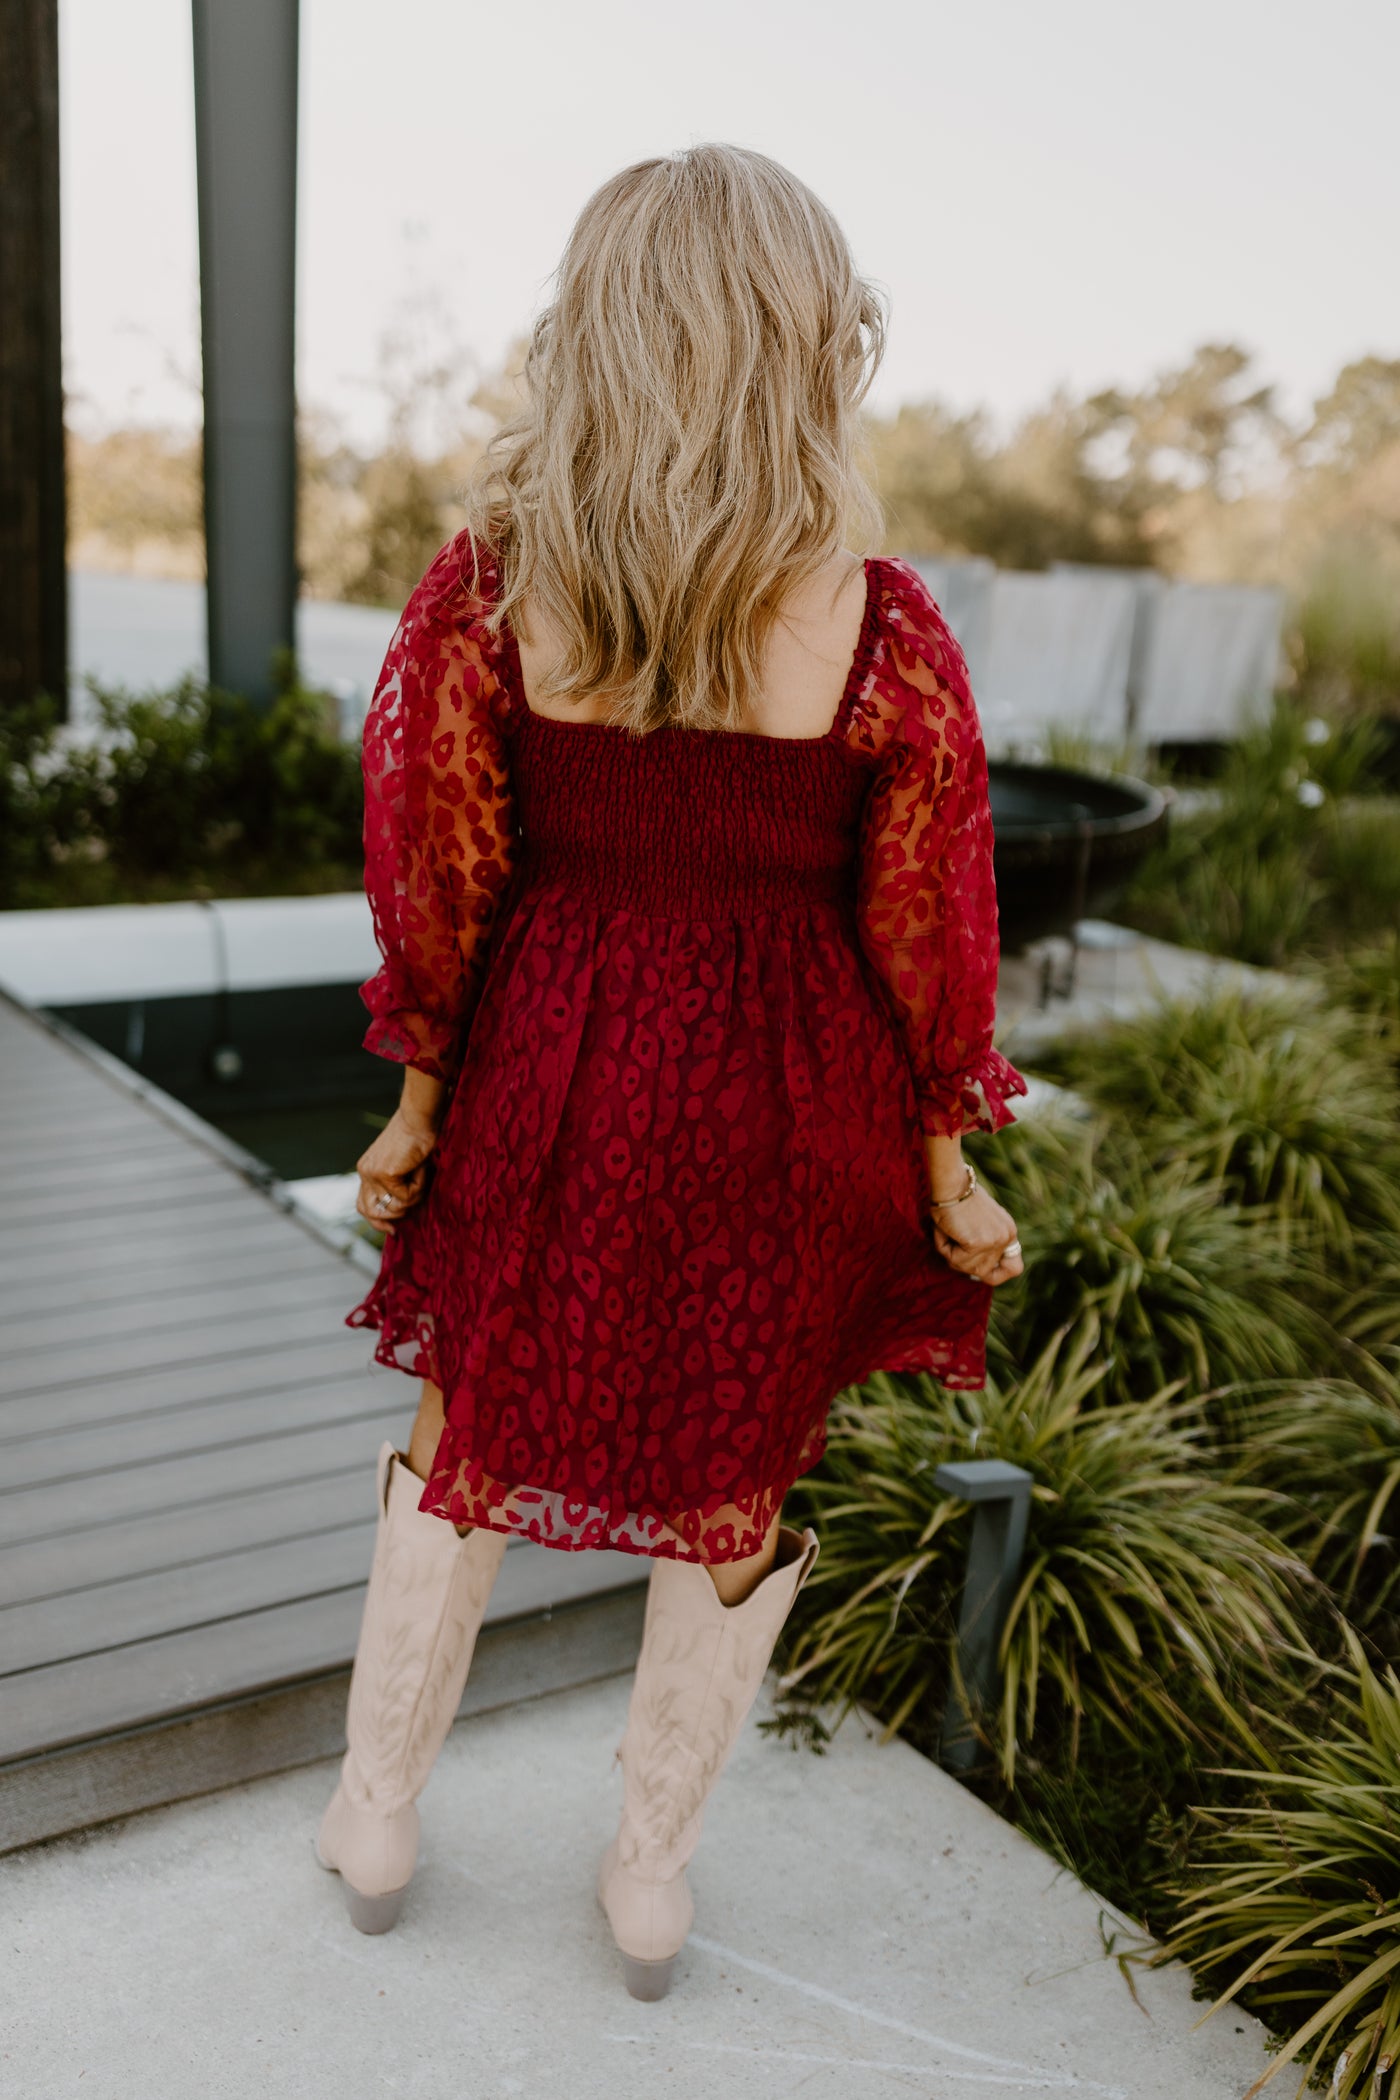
<point>1199,1712</point>
<point>1292,1106</point>
<point>1329,1449</point>
<point>1293,851</point>
<point>1150,1580</point>
<point>1291,1900</point>
<point>1186,1282</point>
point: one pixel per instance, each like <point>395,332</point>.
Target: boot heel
<point>374,1913</point>
<point>647,1980</point>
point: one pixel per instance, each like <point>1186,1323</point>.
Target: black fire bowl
<point>1066,845</point>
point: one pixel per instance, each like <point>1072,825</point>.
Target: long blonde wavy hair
<point>686,454</point>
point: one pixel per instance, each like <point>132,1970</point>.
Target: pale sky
<point>1051,191</point>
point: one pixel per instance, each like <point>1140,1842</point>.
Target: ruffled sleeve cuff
<point>407,1036</point>
<point>972,1100</point>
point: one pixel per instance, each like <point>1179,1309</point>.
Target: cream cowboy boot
<point>699,1671</point>
<point>427,1595</point>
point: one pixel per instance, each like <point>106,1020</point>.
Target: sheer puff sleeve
<point>440,825</point>
<point>927,895</point>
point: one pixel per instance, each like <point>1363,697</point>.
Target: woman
<point>680,857</point>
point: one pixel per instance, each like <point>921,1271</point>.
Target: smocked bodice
<point>685,823</point>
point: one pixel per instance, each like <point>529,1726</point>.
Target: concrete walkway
<point>864,1929</point>
<point>1118,974</point>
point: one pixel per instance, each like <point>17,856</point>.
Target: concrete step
<point>1111,972</point>
<point>864,1929</point>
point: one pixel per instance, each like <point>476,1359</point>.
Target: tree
<point>1359,420</point>
<point>1202,424</point>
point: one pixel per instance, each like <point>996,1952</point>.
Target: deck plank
<point>223,1335</point>
<point>192,1478</point>
<point>297,1280</point>
<point>68,1702</point>
<point>59,1134</point>
<point>156,1284</point>
<point>106,1448</point>
<point>188,1436</point>
<point>140,1607</point>
<point>141,1182</point>
<point>111,1250</point>
<point>137,1608</point>
<point>132,1199</point>
<point>71,1702</point>
<point>169,1539</point>
<point>140,1393</point>
<point>32,1147</point>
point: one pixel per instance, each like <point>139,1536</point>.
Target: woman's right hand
<point>393,1171</point>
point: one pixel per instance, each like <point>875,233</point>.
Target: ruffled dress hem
<point>406,1343</point>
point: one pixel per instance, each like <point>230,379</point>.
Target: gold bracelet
<point>942,1202</point>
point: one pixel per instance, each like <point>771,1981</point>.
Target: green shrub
<point>1368,1314</point>
<point>28,793</point>
<point>1148,1578</point>
<point>1187,1285</point>
<point>1279,863</point>
<point>1329,1448</point>
<point>1085,752</point>
<point>1359,861</point>
<point>1292,1109</point>
<point>1364,977</point>
<point>1347,630</point>
<point>1213,886</point>
<point>1293,1896</point>
<point>180,789</point>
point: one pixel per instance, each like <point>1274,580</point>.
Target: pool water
<point>282,1072</point>
<point>312,1139</point>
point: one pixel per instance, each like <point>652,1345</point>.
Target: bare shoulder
<point>806,659</point>
<point>822,609</point>
<point>540,647</point>
<point>810,648</point>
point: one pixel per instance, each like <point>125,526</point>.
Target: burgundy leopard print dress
<point>699,995</point>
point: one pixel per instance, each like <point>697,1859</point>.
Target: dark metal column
<point>33,578</point>
<point>245,79</point>
<point>1000,1495</point>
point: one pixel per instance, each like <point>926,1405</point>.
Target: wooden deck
<point>187,1444</point>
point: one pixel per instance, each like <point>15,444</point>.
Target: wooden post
<point>33,511</point>
<point>245,104</point>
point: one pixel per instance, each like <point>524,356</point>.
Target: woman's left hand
<point>983,1240</point>
<point>394,1171</point>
